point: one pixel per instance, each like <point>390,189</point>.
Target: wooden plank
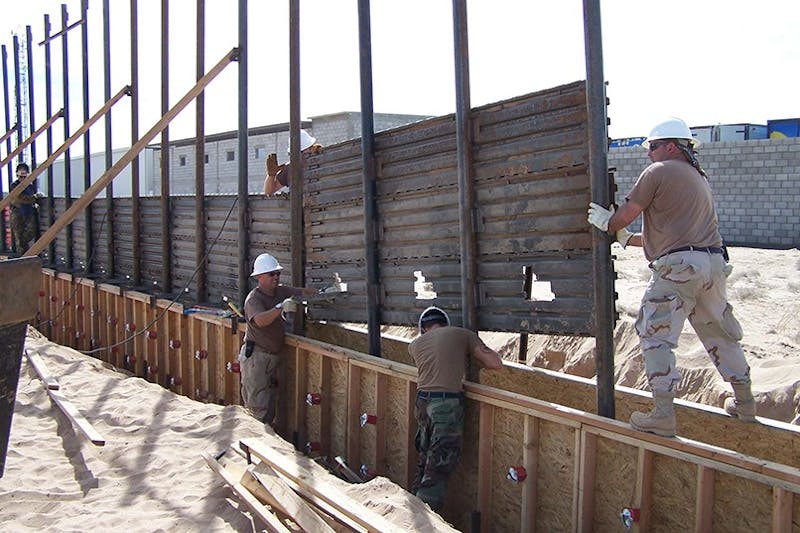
<point>485,429</point>
<point>266,481</point>
<point>530,460</point>
<point>273,523</point>
<point>298,469</point>
<point>586,480</point>
<point>704,501</point>
<point>76,417</point>
<point>643,497</point>
<point>41,369</point>
<point>782,505</point>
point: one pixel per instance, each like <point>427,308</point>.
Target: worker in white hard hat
<point>278,176</point>
<point>689,266</point>
<point>259,356</point>
<point>440,354</point>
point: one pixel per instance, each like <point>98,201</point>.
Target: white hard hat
<point>306,141</point>
<point>672,128</point>
<point>432,314</point>
<point>265,263</point>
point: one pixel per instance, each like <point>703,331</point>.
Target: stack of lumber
<point>287,494</point>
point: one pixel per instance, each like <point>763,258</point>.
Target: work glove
<point>272,164</point>
<point>599,216</point>
<point>289,305</point>
<point>623,236</point>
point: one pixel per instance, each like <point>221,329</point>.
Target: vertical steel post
<point>166,248</point>
<point>199,160</point>
<point>110,263</point>
<point>48,83</point>
<point>296,164</point>
<point>31,77</point>
<point>18,98</point>
<point>8,140</point>
<point>68,252</point>
<point>371,222</point>
<point>598,176</point>
<point>244,207</point>
<point>466,185</point>
<point>137,224</point>
<point>88,234</point>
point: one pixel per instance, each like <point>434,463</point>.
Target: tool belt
<point>248,348</point>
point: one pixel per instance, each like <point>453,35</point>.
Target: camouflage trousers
<point>438,441</point>
<point>689,285</point>
<point>259,374</point>
<point>23,230</point>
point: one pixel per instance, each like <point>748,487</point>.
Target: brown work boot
<point>742,405</point>
<point>661,420</point>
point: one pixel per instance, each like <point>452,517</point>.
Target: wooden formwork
<point>582,469</point>
<point>148,336</point>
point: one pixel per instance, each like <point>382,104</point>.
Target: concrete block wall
<point>756,186</point>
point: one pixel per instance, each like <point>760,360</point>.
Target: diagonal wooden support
<point>16,191</point>
<point>8,134</point>
<point>29,140</point>
<point>112,173</point>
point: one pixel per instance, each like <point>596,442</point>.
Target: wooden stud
<point>381,394</point>
<point>643,498</point>
<point>76,417</point>
<point>300,388</point>
<point>325,414</point>
<point>586,480</point>
<point>530,460</point>
<point>411,433</point>
<point>41,369</point>
<point>353,413</point>
<point>782,505</point>
<point>486,428</point>
<point>704,502</point>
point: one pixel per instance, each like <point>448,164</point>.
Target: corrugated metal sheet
<point>530,169</point>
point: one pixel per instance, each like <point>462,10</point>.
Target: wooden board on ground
<point>273,523</point>
<point>41,369</point>
<point>266,483</point>
<point>76,417</point>
<point>294,469</point>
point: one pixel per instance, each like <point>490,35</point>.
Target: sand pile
<point>150,475</point>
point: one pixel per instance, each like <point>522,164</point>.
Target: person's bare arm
<point>487,357</point>
<point>271,184</point>
<point>265,318</point>
<point>623,216</point>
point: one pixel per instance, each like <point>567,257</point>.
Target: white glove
<point>623,236</point>
<point>289,306</point>
<point>241,357</point>
<point>599,216</point>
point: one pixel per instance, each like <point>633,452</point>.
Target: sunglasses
<point>656,145</point>
<point>273,274</point>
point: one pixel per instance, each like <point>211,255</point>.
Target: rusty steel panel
<point>532,186</point>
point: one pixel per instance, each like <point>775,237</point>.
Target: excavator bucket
<point>20,280</point>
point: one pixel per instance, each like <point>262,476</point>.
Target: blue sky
<point>707,61</point>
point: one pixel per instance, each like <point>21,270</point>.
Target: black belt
<point>707,249</point>
<point>434,394</point>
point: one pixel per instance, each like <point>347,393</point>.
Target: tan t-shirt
<point>678,208</point>
<point>269,337</point>
<point>441,357</point>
